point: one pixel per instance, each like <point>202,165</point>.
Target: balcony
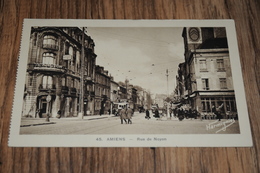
<point>64,89</point>
<point>91,93</point>
<point>47,87</point>
<point>46,67</point>
<point>73,91</point>
<point>50,46</point>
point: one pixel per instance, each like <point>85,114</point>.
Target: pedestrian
<point>114,111</point>
<point>37,113</point>
<point>147,114</point>
<point>40,113</point>
<point>156,113</point>
<point>123,115</point>
<point>218,111</point>
<point>175,112</point>
<point>170,112</point>
<point>59,114</point>
<point>100,112</point>
<point>129,114</point>
<point>109,111</point>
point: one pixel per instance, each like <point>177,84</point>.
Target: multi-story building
<point>131,96</point>
<point>122,93</point>
<point>208,78</point>
<point>180,90</point>
<point>114,92</point>
<point>53,74</point>
<point>102,91</point>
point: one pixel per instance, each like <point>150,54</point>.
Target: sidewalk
<point>26,122</point>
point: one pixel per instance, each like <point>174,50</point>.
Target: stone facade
<point>205,78</point>
<point>53,74</point>
<point>102,91</point>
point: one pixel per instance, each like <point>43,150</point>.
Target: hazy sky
<point>141,55</point>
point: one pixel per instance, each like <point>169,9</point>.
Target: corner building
<point>54,70</point>
<point>207,76</point>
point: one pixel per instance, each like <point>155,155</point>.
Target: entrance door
<point>43,108</point>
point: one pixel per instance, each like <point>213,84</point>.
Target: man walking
<point>147,113</point>
<point>129,114</point>
<point>123,115</point>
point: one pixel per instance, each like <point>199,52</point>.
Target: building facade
<point>102,91</point>
<point>53,74</point>
<point>114,92</point>
<point>207,72</point>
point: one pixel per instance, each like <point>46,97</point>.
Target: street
<point>110,124</point>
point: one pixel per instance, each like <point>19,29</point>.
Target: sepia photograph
<point>120,84</point>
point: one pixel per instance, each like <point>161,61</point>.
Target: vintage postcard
<point>129,83</point>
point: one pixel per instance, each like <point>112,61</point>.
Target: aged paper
<point>129,83</point>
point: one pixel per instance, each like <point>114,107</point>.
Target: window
<point>47,82</point>
<point>223,83</point>
<point>220,65</point>
<point>63,81</point>
<point>31,81</point>
<point>50,41</point>
<point>71,51</point>
<point>48,58</point>
<point>203,65</point>
<point>205,84</point>
<point>78,60</point>
<point>35,39</point>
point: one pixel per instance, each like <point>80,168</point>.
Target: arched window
<point>71,50</point>
<point>77,61</point>
<point>47,82</point>
<point>48,58</point>
<point>50,41</point>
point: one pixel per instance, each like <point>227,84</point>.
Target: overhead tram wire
<point>146,44</point>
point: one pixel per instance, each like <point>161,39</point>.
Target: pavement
<point>26,122</point>
<point>110,124</point>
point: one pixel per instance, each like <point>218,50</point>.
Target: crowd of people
<point>178,112</point>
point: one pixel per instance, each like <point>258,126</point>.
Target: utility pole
<point>167,82</point>
<point>81,100</point>
<point>167,106</point>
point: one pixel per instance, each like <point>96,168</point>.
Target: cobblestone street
<point>110,124</point>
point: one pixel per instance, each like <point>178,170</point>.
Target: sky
<point>141,55</point>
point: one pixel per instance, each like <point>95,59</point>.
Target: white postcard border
<point>243,139</point>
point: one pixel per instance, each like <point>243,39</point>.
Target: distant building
<point>114,93</point>
<point>160,100</point>
<point>53,72</point>
<point>122,93</point>
<point>132,96</point>
<point>208,78</point>
<point>102,91</point>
